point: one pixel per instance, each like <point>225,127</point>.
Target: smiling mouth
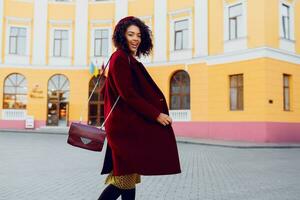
<point>134,46</point>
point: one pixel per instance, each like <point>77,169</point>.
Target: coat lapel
<point>136,64</point>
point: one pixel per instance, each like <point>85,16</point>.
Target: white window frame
<point>101,59</point>
<point>184,53</point>
<point>60,60</point>
<point>240,43</point>
<point>15,58</point>
<point>285,43</point>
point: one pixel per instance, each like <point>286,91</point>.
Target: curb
<point>184,140</point>
<point>235,144</point>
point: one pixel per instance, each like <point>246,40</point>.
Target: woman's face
<point>133,37</point>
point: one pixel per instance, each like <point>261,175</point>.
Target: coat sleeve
<point>124,82</point>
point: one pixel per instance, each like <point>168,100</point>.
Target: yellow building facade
<point>230,69</point>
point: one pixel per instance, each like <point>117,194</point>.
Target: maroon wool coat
<point>137,143</point>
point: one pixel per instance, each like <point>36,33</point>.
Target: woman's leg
<point>128,194</point>
<point>111,192</point>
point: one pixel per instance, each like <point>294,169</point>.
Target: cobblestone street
<point>45,167</point>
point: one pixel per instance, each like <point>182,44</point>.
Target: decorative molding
<point>238,56</point>
<point>101,2</point>
<point>11,19</point>
<point>101,21</point>
<point>70,2</point>
<point>42,67</point>
<point>256,53</point>
<point>181,11</point>
<point>23,1</point>
<point>61,22</point>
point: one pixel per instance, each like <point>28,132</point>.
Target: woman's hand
<point>164,119</point>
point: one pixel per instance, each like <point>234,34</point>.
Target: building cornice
<point>238,56</point>
<point>232,57</point>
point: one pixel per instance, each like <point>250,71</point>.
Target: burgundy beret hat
<point>125,19</point>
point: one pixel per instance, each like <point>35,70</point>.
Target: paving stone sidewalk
<point>180,139</point>
<point>44,167</point>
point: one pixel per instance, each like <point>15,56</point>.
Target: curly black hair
<point>120,41</point>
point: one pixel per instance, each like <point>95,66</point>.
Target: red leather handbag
<point>87,136</point>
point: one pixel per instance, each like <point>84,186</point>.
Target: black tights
<point>112,192</point>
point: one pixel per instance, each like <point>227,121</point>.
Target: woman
<point>140,138</point>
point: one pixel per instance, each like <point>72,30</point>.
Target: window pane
<point>65,34</point>
<point>232,27</point>
<point>178,40</point>
<point>56,48</point>
<point>8,101</point>
<point>233,81</point>
<point>21,101</point>
<point>235,10</point>
<point>286,80</point>
<point>239,26</point>
<point>57,34</point>
<point>104,34</point>
<point>9,90</point>
<point>21,46</point>
<point>285,10</point>
<point>186,89</point>
<point>97,47</point>
<point>233,98</point>
<point>22,32</point>
<point>181,25</point>
<point>286,99</point>
<point>97,34</point>
<point>240,98</point>
<point>65,96</point>
<point>13,45</point>
<point>13,78</point>
<point>13,31</point>
<point>21,90</point>
<point>64,49</point>
<point>54,83</point>
<point>104,47</point>
<point>240,80</point>
<point>186,102</point>
<point>185,39</point>
<point>175,102</point>
<point>286,27</point>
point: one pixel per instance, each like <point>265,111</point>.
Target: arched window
<point>15,92</point>
<point>180,91</point>
<point>58,100</point>
<point>96,104</point>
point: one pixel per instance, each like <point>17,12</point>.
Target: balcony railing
<point>13,114</point>
<point>180,115</point>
